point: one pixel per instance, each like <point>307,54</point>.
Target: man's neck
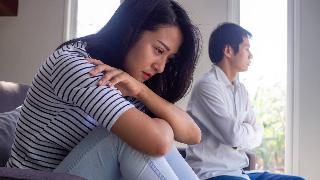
<point>228,71</point>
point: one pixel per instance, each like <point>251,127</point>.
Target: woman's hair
<point>112,43</point>
<point>226,34</point>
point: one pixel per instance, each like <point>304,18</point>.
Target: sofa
<point>12,96</point>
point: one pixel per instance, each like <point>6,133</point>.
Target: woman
<point>71,124</point>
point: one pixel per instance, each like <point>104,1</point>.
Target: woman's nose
<point>160,65</point>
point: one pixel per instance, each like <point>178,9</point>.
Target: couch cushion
<point>8,121</point>
<point>29,174</point>
<point>12,95</point>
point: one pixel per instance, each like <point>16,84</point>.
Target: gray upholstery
<point>13,173</point>
<point>12,95</point>
<point>8,121</point>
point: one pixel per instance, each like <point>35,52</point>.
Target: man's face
<point>242,59</point>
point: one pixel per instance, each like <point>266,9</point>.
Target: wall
<point>27,39</point>
<point>309,88</point>
<point>206,14</point>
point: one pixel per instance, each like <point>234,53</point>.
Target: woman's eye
<point>159,51</point>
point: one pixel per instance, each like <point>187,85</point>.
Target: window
<point>266,79</point>
<point>94,14</point>
<point>87,17</point>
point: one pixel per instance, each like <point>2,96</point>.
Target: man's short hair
<point>226,34</point>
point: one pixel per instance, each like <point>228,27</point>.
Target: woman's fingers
<point>108,76</point>
<point>94,61</point>
<point>118,78</point>
<point>100,68</point>
<point>111,77</point>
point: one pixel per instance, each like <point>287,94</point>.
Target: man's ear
<point>228,51</point>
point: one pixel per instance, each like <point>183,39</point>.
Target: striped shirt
<point>63,105</point>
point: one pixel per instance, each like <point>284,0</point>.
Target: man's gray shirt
<point>227,121</point>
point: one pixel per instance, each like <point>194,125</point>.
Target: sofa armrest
<point>28,174</point>
<point>12,95</point>
<point>252,162</point>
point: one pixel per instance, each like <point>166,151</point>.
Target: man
<point>220,105</point>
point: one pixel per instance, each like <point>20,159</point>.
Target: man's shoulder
<point>208,86</point>
<point>208,80</point>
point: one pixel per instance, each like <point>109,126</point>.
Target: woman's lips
<point>146,76</point>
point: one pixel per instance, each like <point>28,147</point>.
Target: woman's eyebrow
<point>163,44</point>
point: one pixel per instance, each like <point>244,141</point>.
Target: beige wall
<point>206,14</point>
<point>27,39</point>
<point>309,88</point>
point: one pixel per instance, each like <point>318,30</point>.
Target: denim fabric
<point>103,155</point>
<point>259,176</point>
<point>271,176</point>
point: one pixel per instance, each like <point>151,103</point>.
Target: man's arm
<point>250,118</point>
<point>209,107</point>
<point>255,140</point>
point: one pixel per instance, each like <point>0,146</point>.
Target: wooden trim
<point>8,7</point>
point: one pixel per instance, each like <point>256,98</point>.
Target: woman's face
<point>152,51</point>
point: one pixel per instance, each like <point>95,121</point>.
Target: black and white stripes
<point>63,105</point>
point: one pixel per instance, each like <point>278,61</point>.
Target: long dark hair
<point>132,18</point>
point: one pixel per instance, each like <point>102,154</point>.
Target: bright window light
<point>94,14</point>
<point>266,79</point>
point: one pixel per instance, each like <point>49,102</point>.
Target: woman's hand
<point>127,85</point>
<point>184,128</point>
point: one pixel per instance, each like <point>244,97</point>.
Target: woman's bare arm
<point>150,136</point>
<point>184,128</point>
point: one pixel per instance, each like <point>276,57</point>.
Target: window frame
<point>233,15</point>
<point>70,19</point>
<point>293,40</point>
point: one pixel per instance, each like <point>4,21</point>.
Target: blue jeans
<point>103,155</point>
<point>259,176</point>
